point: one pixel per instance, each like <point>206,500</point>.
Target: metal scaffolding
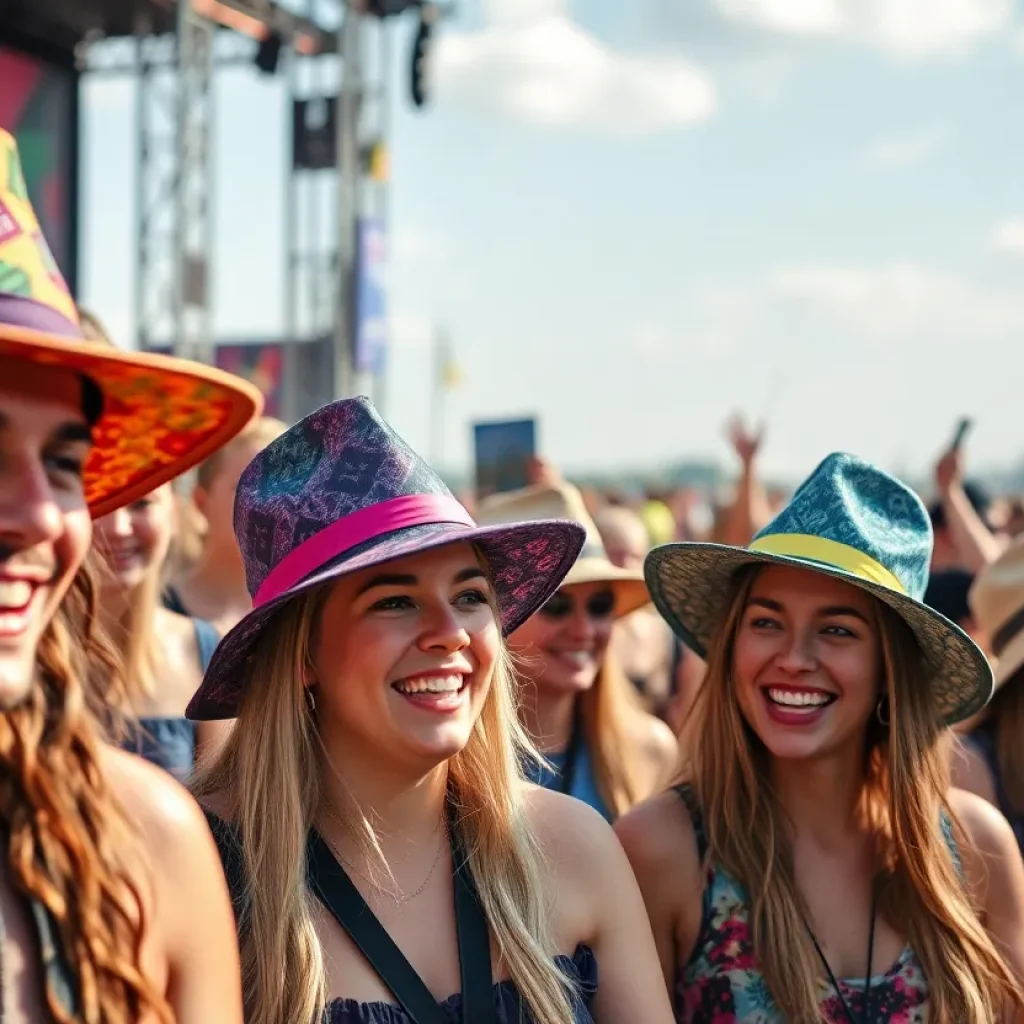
<point>174,187</point>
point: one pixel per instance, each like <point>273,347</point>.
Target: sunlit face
<point>135,539</point>
<point>807,663</point>
<point>402,657</point>
<point>45,527</point>
<point>217,501</point>
<point>563,645</point>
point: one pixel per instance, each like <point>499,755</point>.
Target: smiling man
<point>112,903</point>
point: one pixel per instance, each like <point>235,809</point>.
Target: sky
<point>633,220</point>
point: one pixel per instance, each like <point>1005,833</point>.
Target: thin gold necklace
<point>399,898</point>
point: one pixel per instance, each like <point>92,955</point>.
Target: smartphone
<point>503,451</point>
<point>962,429</point>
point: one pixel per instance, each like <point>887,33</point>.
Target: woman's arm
<point>995,872</point>
<point>660,845</point>
<point>192,925</point>
<point>600,905</point>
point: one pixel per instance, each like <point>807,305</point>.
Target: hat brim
<point>629,587</point>
<point>689,584</point>
<point>527,563</point>
<point>161,415</point>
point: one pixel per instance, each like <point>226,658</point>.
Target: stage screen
<point>38,105</point>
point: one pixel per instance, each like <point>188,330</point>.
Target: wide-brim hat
<point>564,501</point>
<point>340,492</point>
<point>155,416</point>
<point>851,521</point>
<point>997,604</point>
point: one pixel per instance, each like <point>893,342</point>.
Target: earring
<point>310,700</point>
<point>882,712</point>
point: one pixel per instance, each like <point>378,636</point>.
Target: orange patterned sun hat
<point>160,416</point>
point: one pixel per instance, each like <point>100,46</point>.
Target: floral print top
<point>722,983</point>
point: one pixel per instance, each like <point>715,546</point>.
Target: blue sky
<point>636,218</point>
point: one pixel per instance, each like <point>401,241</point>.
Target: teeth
<point>431,684</point>
<point>579,658</point>
<point>798,698</point>
<point>15,594</point>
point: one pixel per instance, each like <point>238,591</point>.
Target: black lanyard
<point>334,889</point>
<point>866,1012</point>
<point>567,776</point>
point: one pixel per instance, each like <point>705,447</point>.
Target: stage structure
<point>335,56</point>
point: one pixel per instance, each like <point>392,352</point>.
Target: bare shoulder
<point>988,831</point>
<point>569,831</point>
<point>659,839</point>
<point>165,813</point>
<point>659,741</point>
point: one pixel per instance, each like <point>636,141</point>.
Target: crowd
<point>314,742</point>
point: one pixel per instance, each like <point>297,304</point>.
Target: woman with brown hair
<point>814,864</point>
<point>389,862</point>
<point>576,703</point>
<point>113,909</point>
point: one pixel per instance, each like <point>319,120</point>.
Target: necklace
<point>399,898</point>
<point>865,1017</point>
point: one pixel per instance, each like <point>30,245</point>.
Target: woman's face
<point>564,643</point>
<point>807,662</point>
<point>134,540</point>
<point>402,657</point>
<point>45,527</point>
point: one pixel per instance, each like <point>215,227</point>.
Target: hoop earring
<point>882,705</point>
<point>310,700</point>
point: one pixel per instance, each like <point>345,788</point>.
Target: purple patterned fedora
<point>341,491</point>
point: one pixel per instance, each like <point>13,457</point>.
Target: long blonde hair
<point>270,768</point>
<point>608,710</point>
<point>917,880</point>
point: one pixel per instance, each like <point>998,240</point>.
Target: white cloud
<point>898,152</point>
<point>792,17</point>
<point>533,62</point>
<point>909,28</point>
<point>1009,236</point>
<point>898,301</point>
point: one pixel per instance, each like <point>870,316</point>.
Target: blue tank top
<point>170,742</point>
<point>584,782</point>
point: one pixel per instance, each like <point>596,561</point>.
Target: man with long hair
<point>113,908</point>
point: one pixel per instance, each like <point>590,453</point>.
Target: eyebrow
<point>831,611</point>
<point>407,580</point>
<point>72,431</point>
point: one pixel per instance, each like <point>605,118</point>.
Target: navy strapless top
<point>581,969</point>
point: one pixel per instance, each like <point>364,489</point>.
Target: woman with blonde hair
<point>388,861</point>
<point>577,705</point>
<point>814,864</point>
<point>164,654</point>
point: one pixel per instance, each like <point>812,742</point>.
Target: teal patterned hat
<point>851,521</point>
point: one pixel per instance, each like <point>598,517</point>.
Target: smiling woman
<point>375,767</point>
<point>813,863</point>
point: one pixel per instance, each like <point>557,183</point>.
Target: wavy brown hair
<point>917,879</point>
<point>1006,711</point>
<point>69,839</point>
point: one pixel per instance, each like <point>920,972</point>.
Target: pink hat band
<point>357,528</point>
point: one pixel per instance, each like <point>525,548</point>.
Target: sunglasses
<point>562,605</point>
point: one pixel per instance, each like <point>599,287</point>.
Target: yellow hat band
<point>807,547</point>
